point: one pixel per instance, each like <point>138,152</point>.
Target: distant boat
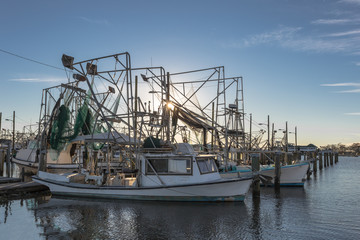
<point>167,176</point>
<point>29,159</point>
<point>68,160</point>
<point>291,175</point>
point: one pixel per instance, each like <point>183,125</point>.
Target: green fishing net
<point>59,127</point>
<point>62,133</point>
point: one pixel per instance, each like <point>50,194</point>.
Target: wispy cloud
<point>342,34</point>
<point>295,38</point>
<point>282,34</point>
<point>350,91</point>
<point>38,80</point>
<point>355,87</point>
<point>332,21</point>
<point>341,84</point>
<point>94,21</point>
<point>350,1</point>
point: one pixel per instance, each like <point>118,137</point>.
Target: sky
<point>300,60</point>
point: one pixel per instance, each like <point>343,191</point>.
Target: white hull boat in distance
<point>290,176</point>
<point>28,158</point>
<point>63,162</point>
<point>220,190</point>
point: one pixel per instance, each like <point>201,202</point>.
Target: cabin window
<point>165,166</point>
<point>160,166</point>
<point>180,166</point>
<point>206,165</point>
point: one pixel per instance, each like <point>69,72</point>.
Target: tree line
<point>353,149</point>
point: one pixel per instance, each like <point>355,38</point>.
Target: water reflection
<point>7,209</point>
<point>255,216</point>
<point>326,208</point>
<point>278,208</point>
<point>83,219</point>
<point>74,218</point>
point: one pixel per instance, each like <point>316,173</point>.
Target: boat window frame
<point>148,160</point>
<point>203,158</point>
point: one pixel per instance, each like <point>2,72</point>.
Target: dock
<point>9,180</point>
<point>13,187</point>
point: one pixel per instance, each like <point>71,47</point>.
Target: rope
<point>31,60</point>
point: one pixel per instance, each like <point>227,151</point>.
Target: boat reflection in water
<point>80,218</point>
<point>326,208</point>
<point>85,219</point>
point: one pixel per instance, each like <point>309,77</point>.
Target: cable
<point>31,60</point>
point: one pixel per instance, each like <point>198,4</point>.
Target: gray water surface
<point>328,207</point>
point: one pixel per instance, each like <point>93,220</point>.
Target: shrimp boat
<point>182,175</point>
<point>154,163</point>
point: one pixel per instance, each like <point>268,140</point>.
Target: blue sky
<point>300,60</point>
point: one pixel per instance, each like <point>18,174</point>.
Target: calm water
<point>328,207</point>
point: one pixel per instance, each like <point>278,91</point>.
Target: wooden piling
<point>277,171</point>
<point>314,163</point>
<point>8,161</point>
<point>328,160</point>
<point>2,158</point>
<point>308,173</point>
<point>288,159</point>
<point>336,157</point>
<point>22,174</point>
<point>331,158</point>
<point>325,159</point>
<point>255,166</point>
<point>42,161</point>
<point>320,161</point>
<point>42,151</point>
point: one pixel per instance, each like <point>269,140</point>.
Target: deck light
<point>79,77</point>
<point>144,77</point>
<point>111,89</point>
<point>91,69</point>
<point>67,61</point>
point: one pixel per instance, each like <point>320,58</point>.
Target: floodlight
<point>67,61</point>
<point>144,77</point>
<point>91,69</point>
<point>111,89</point>
<point>79,77</point>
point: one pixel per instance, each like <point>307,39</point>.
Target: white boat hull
<point>291,175</point>
<point>222,190</point>
<point>54,167</point>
